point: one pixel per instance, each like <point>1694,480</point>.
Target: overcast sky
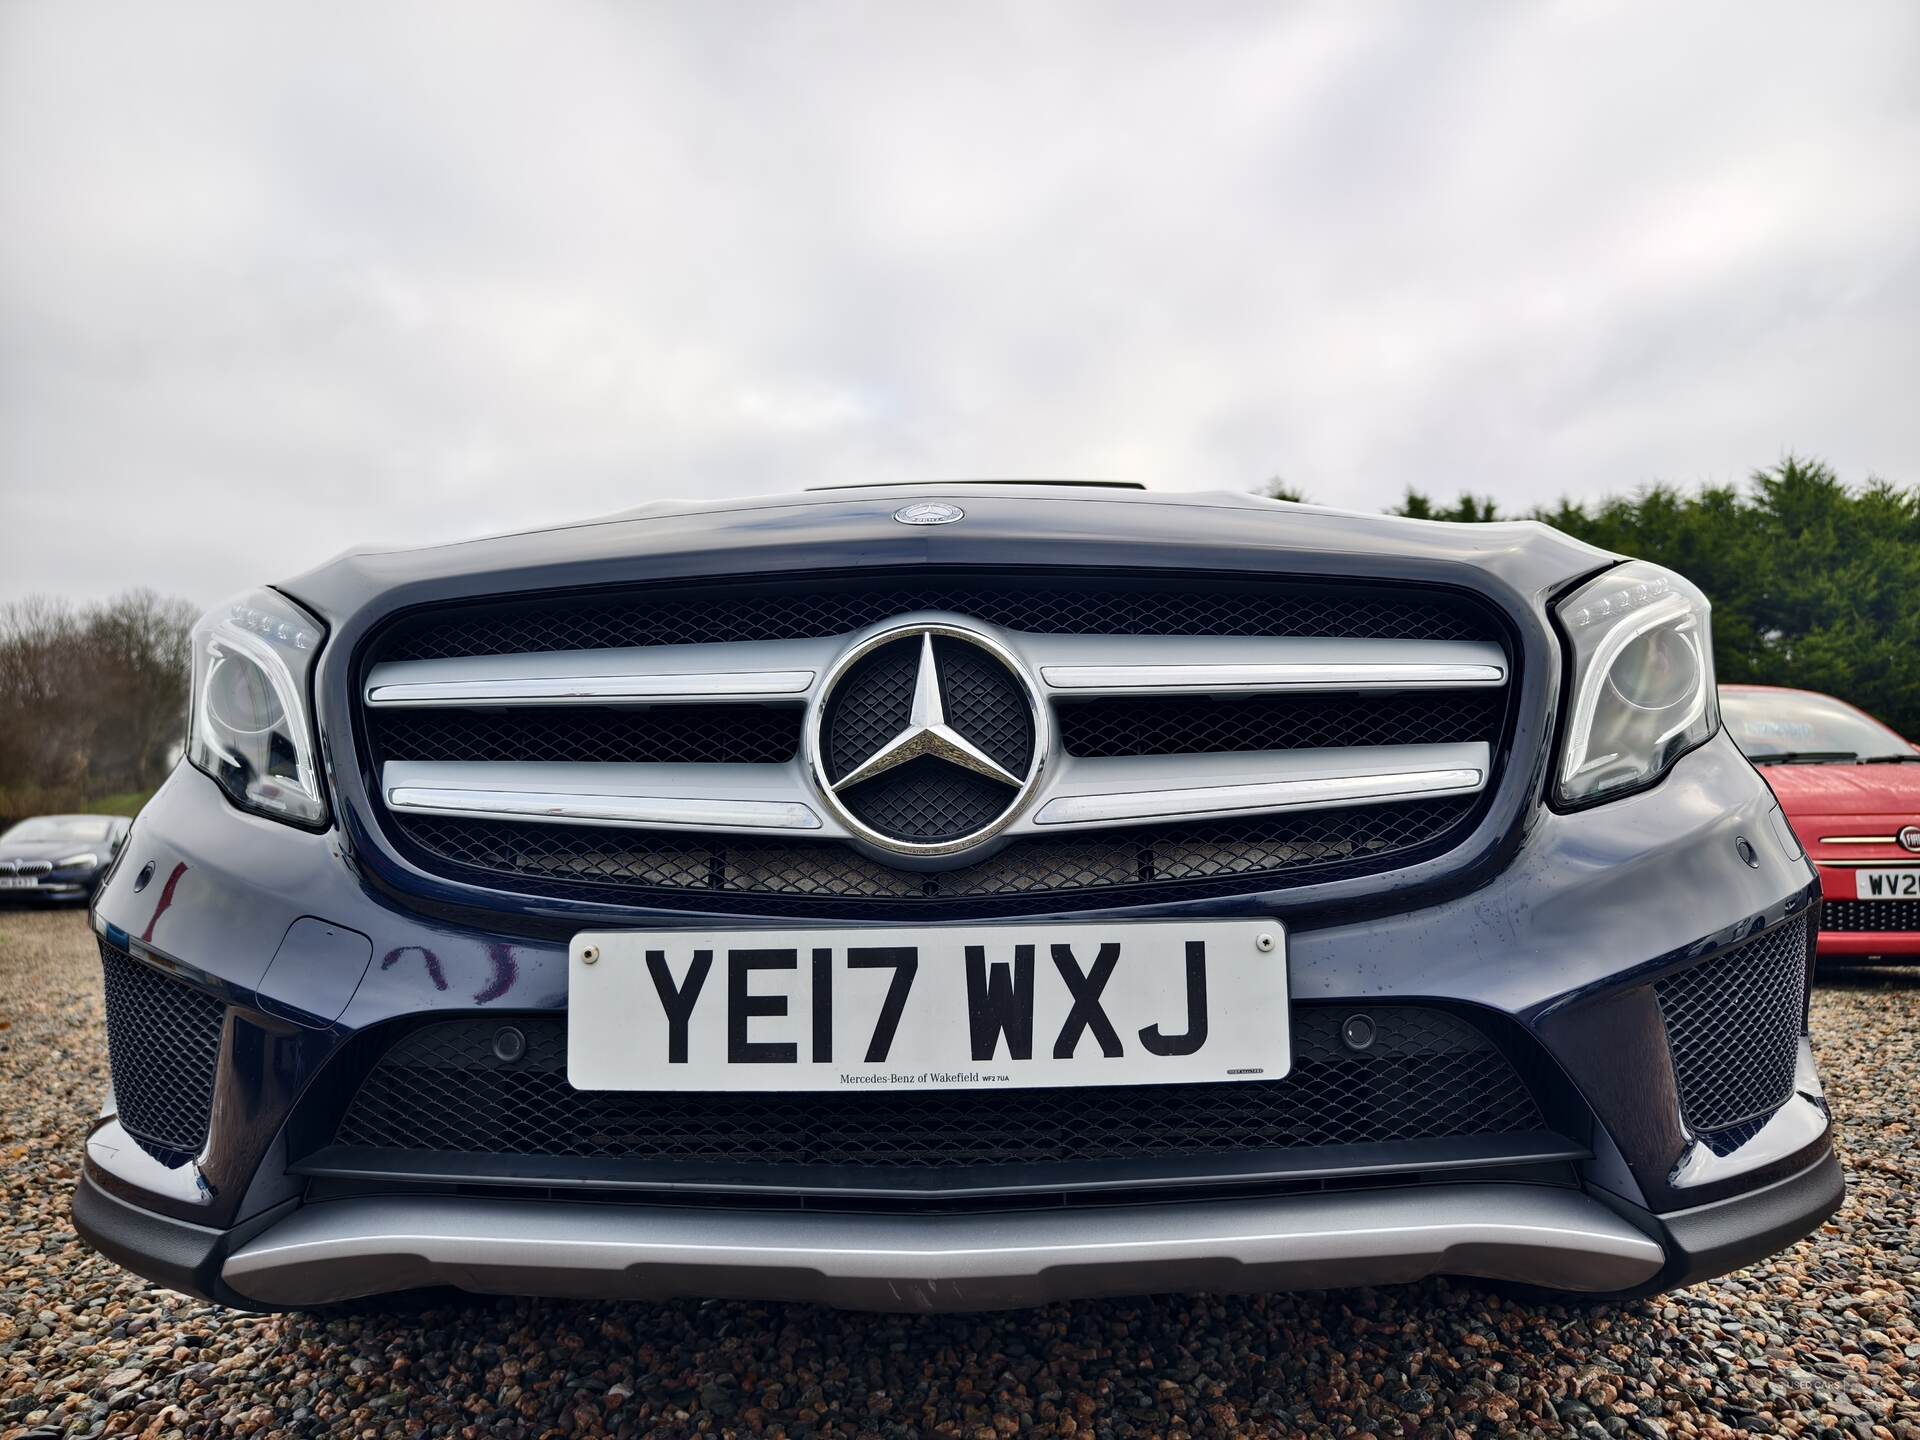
<point>276,280</point>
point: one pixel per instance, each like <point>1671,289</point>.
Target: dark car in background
<point>58,857</point>
<point>1851,788</point>
<point>958,899</point>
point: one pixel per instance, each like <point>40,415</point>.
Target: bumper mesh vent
<point>1871,917</point>
<point>1734,1027</point>
<point>1429,1075</point>
<point>163,1044</point>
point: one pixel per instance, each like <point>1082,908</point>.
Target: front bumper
<point>1565,946</point>
<point>341,1250</point>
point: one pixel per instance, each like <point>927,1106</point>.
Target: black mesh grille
<point>1190,725</point>
<point>163,1043</point>
<point>928,800</point>
<point>1106,866</point>
<point>808,607</point>
<point>1734,1026</point>
<point>986,704</point>
<point>872,704</point>
<point>696,734</point>
<point>1871,917</point>
<point>1429,1075</point>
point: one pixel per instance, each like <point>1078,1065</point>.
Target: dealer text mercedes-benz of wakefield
<point>958,898</point>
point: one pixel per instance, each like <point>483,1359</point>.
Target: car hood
<point>1846,789</point>
<point>50,850</point>
<point>1001,526</point>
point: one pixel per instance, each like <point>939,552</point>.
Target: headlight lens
<point>252,663</point>
<point>1642,691</point>
<point>87,861</point>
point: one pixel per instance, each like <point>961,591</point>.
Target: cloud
<point>274,280</point>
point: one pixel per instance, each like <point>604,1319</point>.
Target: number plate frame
<point>910,1008</point>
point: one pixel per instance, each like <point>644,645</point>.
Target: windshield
<point>65,829</point>
<point>1767,723</point>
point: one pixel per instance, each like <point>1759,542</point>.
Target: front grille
<point>1429,1075</point>
<point>1871,917</point>
<point>1734,1027</point>
<point>929,801</point>
<point>1110,866</point>
<point>163,1044</point>
<point>25,867</point>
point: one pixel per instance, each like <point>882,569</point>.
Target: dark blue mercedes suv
<point>958,898</point>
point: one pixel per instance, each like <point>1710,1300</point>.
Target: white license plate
<point>1149,1002</point>
<point>16,882</point>
<point>1887,884</point>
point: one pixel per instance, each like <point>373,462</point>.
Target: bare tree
<point>137,647</point>
<point>91,701</point>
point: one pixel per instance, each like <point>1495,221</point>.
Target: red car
<point>1851,789</point>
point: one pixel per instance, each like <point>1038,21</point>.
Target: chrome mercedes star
<point>928,733</point>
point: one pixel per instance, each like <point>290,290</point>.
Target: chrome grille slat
<point>633,675</point>
<point>1241,664</point>
<point>675,797</point>
<point>1081,665</point>
<point>1091,793</point>
<point>1084,794</point>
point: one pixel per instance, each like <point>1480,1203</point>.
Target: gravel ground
<point>1821,1341</point>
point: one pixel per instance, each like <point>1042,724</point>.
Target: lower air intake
<point>1428,1075</point>
<point>1734,1027</point>
<point>163,1045</point>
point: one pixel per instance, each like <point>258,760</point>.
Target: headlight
<point>252,662</point>
<point>88,861</point>
<point>1642,693</point>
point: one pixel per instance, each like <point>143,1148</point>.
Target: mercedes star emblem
<point>927,738</point>
<point>927,733</point>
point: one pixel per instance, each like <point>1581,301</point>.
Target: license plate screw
<point>589,954</point>
<point>1264,943</point>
